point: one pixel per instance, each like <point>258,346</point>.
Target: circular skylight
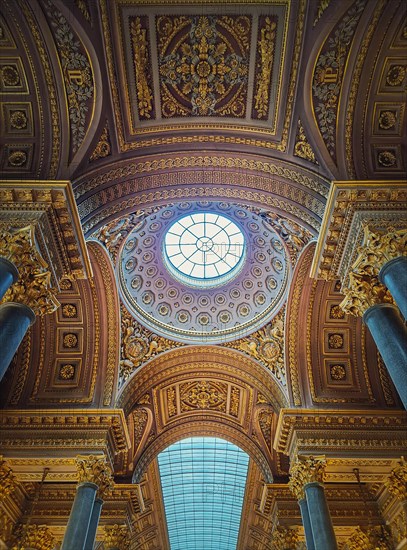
<point>204,249</point>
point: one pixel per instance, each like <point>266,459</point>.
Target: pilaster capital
<point>96,470</point>
<point>33,287</point>
<point>284,538</point>
<point>116,536</point>
<point>34,537</point>
<point>306,469</point>
<point>397,481</point>
<point>8,481</point>
<point>363,288</point>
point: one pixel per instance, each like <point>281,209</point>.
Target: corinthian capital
<point>96,470</point>
<point>363,288</point>
<point>116,536</point>
<point>33,287</point>
<point>397,482</point>
<point>284,538</point>
<point>8,480</point>
<point>306,470</point>
<point>34,537</point>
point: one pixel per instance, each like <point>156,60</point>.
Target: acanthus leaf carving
<point>33,287</point>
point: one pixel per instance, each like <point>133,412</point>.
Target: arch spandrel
<point>194,359</point>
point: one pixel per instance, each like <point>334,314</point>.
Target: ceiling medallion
<point>205,272</point>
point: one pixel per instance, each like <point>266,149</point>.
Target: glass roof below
<point>203,482</point>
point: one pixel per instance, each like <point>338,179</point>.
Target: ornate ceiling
<point>117,116</point>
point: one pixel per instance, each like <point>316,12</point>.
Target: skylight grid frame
<point>214,507</point>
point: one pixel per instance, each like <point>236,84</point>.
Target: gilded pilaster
<point>306,470</point>
<point>363,288</point>
<point>116,537</point>
<point>8,480</point>
<point>33,287</point>
<point>95,469</point>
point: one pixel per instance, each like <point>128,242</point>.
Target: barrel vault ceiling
<point>148,103</point>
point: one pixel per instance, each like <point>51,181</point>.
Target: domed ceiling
<point>215,308</point>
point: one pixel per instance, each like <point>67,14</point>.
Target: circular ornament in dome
<point>204,249</point>
<point>203,273</point>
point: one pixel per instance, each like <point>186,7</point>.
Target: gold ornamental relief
<point>33,537</point>
<point>284,537</point>
<point>397,482</point>
<point>33,287</point>
<point>8,480</point>
<point>306,470</point>
<point>95,469</point>
<point>203,395</point>
<point>364,289</point>
<point>116,536</point>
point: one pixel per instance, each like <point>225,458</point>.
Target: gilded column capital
<point>377,537</point>
<point>363,288</point>
<point>397,481</point>
<point>284,538</point>
<point>116,536</point>
<point>34,537</point>
<point>306,469</point>
<point>95,469</point>
<point>33,287</point>
<point>8,481</point>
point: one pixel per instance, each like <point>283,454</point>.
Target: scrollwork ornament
<point>306,470</point>
<point>397,481</point>
<point>33,287</point>
<point>95,469</point>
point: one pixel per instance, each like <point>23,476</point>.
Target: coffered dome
<point>203,272</point>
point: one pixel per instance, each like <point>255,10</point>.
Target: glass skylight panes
<point>204,246</point>
<point>203,482</point>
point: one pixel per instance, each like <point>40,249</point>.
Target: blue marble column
<point>8,275</point>
<point>394,275</point>
<point>93,525</point>
<point>320,518</point>
<point>390,335</point>
<point>14,322</point>
<point>80,516</point>
<point>306,524</point>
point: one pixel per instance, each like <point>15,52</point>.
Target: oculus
<point>204,249</point>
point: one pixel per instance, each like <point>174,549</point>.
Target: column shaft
<point>79,519</point>
<point>320,518</point>
<point>390,335</point>
<point>93,525</point>
<point>306,524</point>
<point>8,275</point>
<point>394,275</point>
<point>14,322</point>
